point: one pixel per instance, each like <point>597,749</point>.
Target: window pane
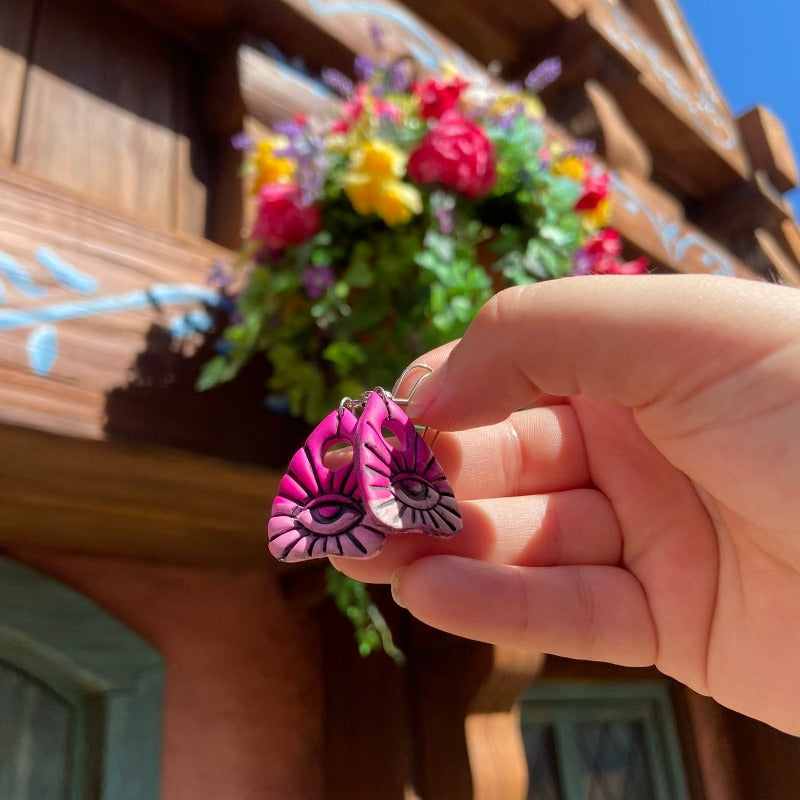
<point>34,739</point>
<point>542,765</point>
<point>613,761</point>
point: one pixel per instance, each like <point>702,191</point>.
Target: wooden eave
<point>87,363</point>
<point>105,372</point>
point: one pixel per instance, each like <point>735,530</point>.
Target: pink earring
<point>391,485</point>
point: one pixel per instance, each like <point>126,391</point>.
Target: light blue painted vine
<point>42,345</point>
<point>676,241</point>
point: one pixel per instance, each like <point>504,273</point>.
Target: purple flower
<point>400,75</point>
<point>443,205</point>
<point>543,75</point>
<point>219,276</point>
<point>364,67</point>
<point>310,176</point>
<point>337,81</point>
<point>242,141</point>
<point>582,148</point>
<point>376,36</point>
<point>317,280</point>
<point>288,128</point>
<point>307,150</point>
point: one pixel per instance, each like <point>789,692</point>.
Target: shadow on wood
<point>160,405</point>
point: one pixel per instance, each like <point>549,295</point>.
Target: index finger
<point>629,340</point>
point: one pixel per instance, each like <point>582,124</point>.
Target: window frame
<point>564,705</point>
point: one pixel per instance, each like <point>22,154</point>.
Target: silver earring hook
<point>404,401</point>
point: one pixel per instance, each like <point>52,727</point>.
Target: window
<point>601,742</point>
<point>80,697</point>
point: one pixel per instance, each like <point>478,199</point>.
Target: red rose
<point>595,189</point>
<point>436,97</point>
<point>457,154</point>
<point>282,218</point>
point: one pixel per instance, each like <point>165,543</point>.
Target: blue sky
<point>752,48</point>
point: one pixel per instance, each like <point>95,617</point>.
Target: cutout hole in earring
<point>393,438</point>
<point>337,454</point>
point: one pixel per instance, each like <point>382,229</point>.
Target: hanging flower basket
<point>380,233</point>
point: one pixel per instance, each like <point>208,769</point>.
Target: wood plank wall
<point>117,124</point>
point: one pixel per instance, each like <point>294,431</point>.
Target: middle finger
<point>536,451</point>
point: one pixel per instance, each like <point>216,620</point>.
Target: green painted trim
<point>563,705</point>
<point>111,677</point>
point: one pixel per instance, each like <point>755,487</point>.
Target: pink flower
<point>611,266</point>
<point>456,154</point>
<point>282,218</point>
<point>362,99</point>
<point>604,244</point>
<point>595,190</point>
<point>600,255</point>
<point>437,97</point>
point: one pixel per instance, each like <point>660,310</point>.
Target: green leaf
<point>345,356</point>
<point>214,372</point>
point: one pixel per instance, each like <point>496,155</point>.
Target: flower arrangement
<point>380,233</point>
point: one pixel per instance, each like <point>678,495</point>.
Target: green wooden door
<point>37,728</point>
<point>80,697</point>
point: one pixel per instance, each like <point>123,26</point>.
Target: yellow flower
<point>393,201</point>
<point>378,160</point>
<point>510,101</point>
<point>598,216</point>
<point>398,202</point>
<point>373,187</point>
<point>569,167</point>
<point>362,192</point>
<point>268,167</point>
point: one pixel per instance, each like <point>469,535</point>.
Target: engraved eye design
<point>414,491</point>
<point>318,511</point>
<point>330,515</point>
<point>402,484</point>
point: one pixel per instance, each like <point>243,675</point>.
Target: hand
<point>645,507</point>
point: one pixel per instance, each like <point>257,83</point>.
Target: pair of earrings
<point>391,484</point>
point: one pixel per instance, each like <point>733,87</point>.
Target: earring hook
<point>404,401</point>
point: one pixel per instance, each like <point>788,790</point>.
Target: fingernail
<point>396,578</point>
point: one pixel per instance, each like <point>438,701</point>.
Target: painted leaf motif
<point>318,511</point>
<point>42,349</point>
<point>402,485</point>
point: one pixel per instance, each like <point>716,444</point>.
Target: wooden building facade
<point>148,647</point>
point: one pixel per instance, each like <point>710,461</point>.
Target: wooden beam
<point>16,29</point>
<point>476,27</point>
<point>653,223</point>
<point>695,146</point>
<point>101,124</point>
<point>737,212</point>
<point>494,736</point>
<point>768,145</point>
<point>590,112</point>
<point>791,237</point>
<point>784,267</point>
<point>131,500</point>
<point>84,288</point>
<point>348,25</point>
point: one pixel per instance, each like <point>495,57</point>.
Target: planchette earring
<point>402,485</point>
<point>392,484</point>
